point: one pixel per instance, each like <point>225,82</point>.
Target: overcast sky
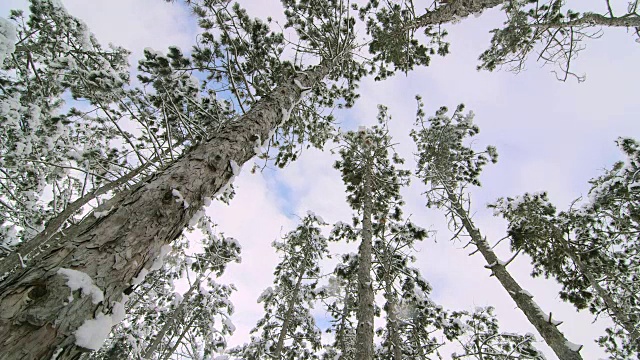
<point>550,135</point>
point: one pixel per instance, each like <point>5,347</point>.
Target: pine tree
<point>288,330</point>
<point>412,318</point>
<point>590,249</point>
<point>57,51</point>
<point>368,166</point>
<point>544,26</point>
<point>340,300</point>
<point>139,221</point>
<point>190,147</point>
<point>372,186</point>
<point>38,144</point>
<point>425,325</point>
<point>484,341</point>
<point>161,321</point>
<point>448,167</point>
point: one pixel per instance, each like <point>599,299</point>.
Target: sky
<point>550,135</point>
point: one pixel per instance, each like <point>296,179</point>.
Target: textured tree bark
<point>36,317</point>
<point>26,250</point>
<point>455,9</point>
<point>619,314</point>
<point>451,11</point>
<point>592,19</point>
<point>549,332</point>
<point>365,313</point>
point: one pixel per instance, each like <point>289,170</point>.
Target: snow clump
<point>79,280</point>
<point>7,39</point>
<point>180,198</point>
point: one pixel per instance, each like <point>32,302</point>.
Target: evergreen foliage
<point>448,166</point>
<point>161,321</point>
<point>590,249</point>
<point>55,55</point>
<point>483,340</point>
<point>411,317</point>
<point>76,131</point>
<point>547,27</point>
<point>288,330</point>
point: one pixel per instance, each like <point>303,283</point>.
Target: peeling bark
<point>36,318</point>
<point>451,11</point>
<point>26,250</point>
<point>592,19</point>
<point>549,332</point>
<point>365,313</point>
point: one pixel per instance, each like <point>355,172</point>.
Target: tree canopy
<point>113,178</point>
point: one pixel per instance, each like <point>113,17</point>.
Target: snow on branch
<point>8,39</point>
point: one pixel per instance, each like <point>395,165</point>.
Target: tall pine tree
<point>126,236</point>
<point>288,330</point>
<point>448,167</point>
<point>592,249</point>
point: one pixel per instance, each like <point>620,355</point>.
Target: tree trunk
<point>451,11</point>
<point>341,331</point>
<point>167,355</point>
<point>290,309</point>
<point>592,19</point>
<point>26,250</point>
<point>618,314</point>
<point>36,319</point>
<point>392,323</point>
<point>456,9</point>
<point>392,312</point>
<point>365,313</point>
<point>151,349</point>
<point>418,344</point>
<point>552,336</point>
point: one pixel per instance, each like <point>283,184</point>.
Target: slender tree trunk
<point>341,332</point>
<point>365,313</point>
<point>36,318</point>
<point>456,9</point>
<point>549,332</point>
<point>151,349</point>
<point>54,225</point>
<point>392,311</point>
<point>167,355</point>
<point>418,344</point>
<point>392,322</point>
<point>618,313</point>
<point>290,308</point>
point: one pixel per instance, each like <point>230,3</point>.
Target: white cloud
<point>138,24</point>
<point>254,219</point>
